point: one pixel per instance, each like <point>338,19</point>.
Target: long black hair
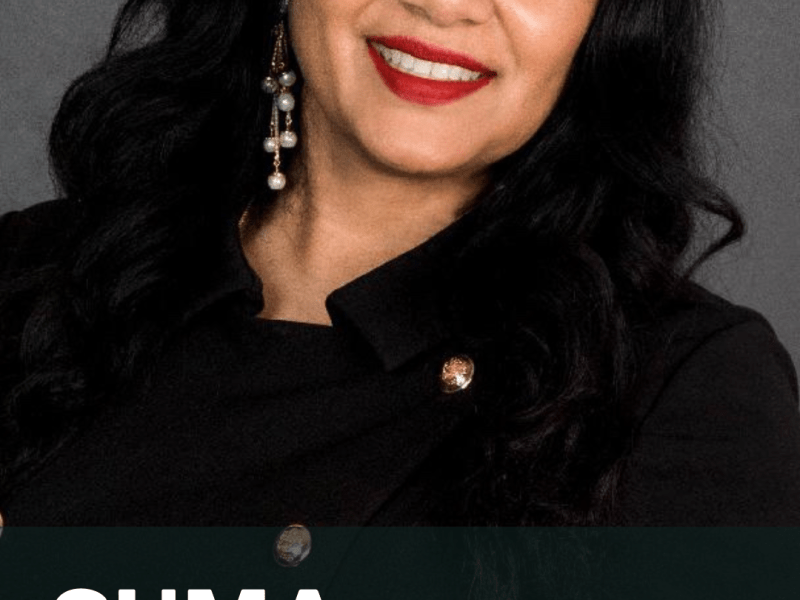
<point>584,233</point>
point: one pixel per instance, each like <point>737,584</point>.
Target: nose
<point>445,13</point>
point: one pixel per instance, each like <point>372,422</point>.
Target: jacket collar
<point>399,308</point>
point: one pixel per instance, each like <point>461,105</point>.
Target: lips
<point>424,90</point>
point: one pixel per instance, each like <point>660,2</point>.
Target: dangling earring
<point>278,83</point>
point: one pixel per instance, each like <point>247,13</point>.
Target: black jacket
<point>251,422</point>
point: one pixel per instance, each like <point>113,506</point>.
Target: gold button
<point>2,524</point>
<point>457,374</point>
<point>292,546</point>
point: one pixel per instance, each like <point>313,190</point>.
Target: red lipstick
<point>420,90</point>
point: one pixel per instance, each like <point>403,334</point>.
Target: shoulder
<point>722,371</point>
<point>32,236</point>
<point>713,339</point>
<point>718,428</point>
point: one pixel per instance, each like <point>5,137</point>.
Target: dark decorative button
<point>457,373</point>
<point>292,546</point>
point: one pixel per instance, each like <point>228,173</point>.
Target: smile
<point>424,74</point>
<point>424,68</point>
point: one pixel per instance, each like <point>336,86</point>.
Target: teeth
<point>407,62</point>
<point>423,68</point>
<point>439,71</point>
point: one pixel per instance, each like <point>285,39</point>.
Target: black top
<point>255,422</point>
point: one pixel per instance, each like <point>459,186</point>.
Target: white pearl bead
<point>286,102</point>
<point>277,181</point>
<point>288,139</point>
<point>270,145</point>
<point>288,79</point>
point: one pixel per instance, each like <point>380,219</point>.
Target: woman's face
<point>433,87</point>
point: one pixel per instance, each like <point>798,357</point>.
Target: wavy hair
<point>583,233</point>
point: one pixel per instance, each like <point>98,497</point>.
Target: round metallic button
<point>457,373</point>
<point>2,524</point>
<point>292,546</point>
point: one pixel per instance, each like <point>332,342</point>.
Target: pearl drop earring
<point>278,84</point>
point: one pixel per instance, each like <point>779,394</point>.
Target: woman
<point>455,289</point>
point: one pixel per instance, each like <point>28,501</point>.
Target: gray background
<point>755,126</point>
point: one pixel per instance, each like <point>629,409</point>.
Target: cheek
<point>523,105</point>
<point>327,47</point>
<point>303,19</point>
<point>545,38</point>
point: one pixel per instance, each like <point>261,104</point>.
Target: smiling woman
<point>455,289</point>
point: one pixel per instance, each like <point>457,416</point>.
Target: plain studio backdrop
<point>755,128</point>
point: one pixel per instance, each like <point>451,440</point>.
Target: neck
<point>345,216</point>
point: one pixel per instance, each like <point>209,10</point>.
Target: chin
<point>424,160</point>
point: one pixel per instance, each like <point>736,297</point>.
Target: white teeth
<point>407,62</point>
<point>423,68</point>
<point>457,73</point>
<point>440,71</point>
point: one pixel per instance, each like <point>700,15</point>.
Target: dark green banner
<point>399,563</point>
